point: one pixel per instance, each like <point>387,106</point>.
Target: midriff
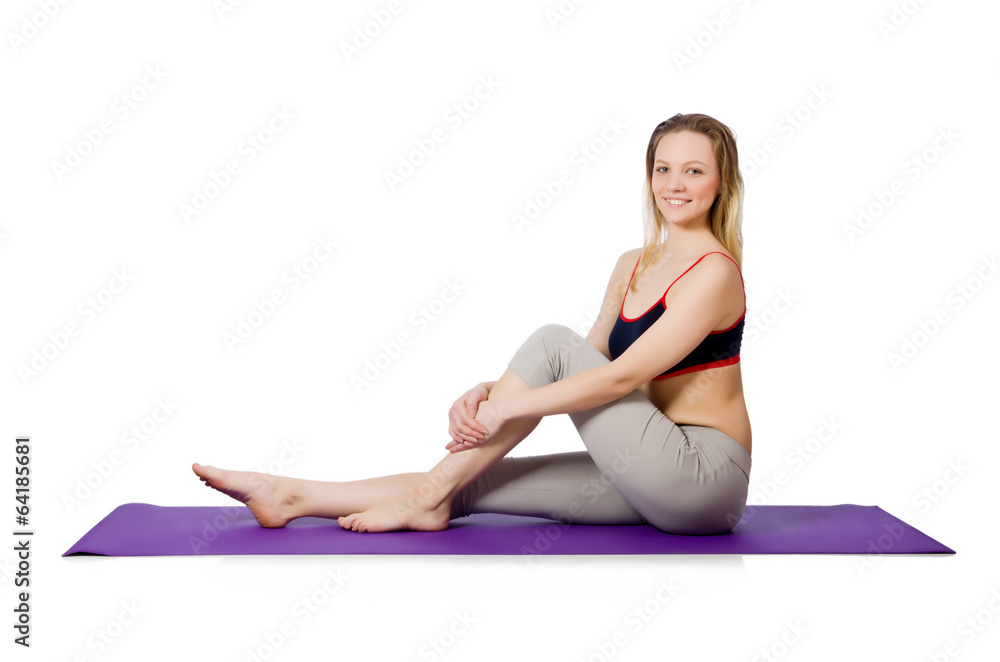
<point>712,397</point>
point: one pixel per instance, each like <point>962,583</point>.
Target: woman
<point>657,396</point>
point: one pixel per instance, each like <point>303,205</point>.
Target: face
<point>684,170</point>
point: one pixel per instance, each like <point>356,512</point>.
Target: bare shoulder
<point>623,268</point>
<point>716,276</point>
<point>611,304</point>
<point>712,271</point>
<point>629,259</point>
<point>721,262</point>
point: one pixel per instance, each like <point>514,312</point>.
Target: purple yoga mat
<point>141,529</point>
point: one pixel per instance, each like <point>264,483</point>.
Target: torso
<point>712,397</point>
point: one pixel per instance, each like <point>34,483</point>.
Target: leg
<point>456,485</point>
<point>682,479</point>
<point>567,487</point>
<point>426,505</point>
<point>686,479</point>
<point>276,500</point>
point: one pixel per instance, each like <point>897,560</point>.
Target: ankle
<point>440,483</point>
<point>430,493</point>
<point>287,493</point>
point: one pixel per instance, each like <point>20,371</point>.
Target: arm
<point>584,390</point>
<point>703,302</point>
<point>591,388</point>
<point>612,304</point>
<point>708,295</point>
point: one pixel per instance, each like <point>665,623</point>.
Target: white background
<point>839,106</point>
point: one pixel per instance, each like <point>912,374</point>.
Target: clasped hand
<point>473,420</point>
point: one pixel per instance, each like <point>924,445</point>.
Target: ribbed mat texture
<point>141,529</point>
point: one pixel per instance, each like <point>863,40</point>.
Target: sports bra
<point>719,348</point>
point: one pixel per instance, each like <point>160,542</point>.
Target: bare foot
<point>409,511</point>
<point>262,493</point>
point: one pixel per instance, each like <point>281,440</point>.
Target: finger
<point>461,431</point>
<point>471,434</point>
<point>466,445</point>
<point>466,417</point>
<point>474,425</point>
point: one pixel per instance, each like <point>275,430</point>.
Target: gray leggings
<point>639,467</point>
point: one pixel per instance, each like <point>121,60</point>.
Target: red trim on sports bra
<point>734,323</point>
<point>704,366</point>
<point>662,298</point>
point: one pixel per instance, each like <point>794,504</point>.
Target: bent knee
<point>553,330</point>
<point>558,333</point>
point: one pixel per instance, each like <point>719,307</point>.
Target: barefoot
<point>260,492</point>
<point>407,511</point>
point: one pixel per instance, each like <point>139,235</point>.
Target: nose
<point>673,183</point>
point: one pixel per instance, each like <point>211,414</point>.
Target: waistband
<point>732,448</point>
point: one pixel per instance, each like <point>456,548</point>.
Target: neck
<point>686,238</point>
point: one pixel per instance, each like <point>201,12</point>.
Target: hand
<point>489,416</point>
<point>462,426</point>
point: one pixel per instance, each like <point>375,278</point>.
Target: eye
<point>664,168</point>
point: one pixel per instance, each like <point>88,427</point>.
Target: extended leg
<point>276,500</point>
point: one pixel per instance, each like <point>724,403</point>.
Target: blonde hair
<point>726,213</point>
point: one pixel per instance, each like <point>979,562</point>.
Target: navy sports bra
<point>719,348</point>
